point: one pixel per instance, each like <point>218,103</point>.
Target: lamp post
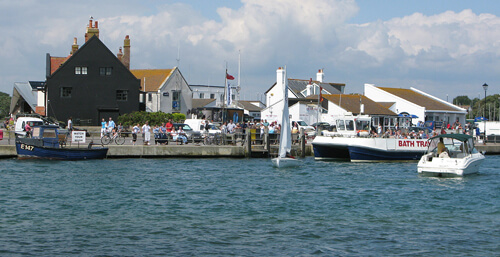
<point>485,87</point>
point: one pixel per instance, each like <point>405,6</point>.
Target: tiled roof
<point>200,103</point>
<point>247,105</point>
<point>419,99</point>
<point>351,103</point>
<point>56,62</point>
<point>299,85</point>
<point>152,80</point>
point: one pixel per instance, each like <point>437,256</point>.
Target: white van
<point>309,130</point>
<point>198,125</point>
<point>21,122</point>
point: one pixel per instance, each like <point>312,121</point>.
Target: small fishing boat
<point>45,144</point>
<point>450,155</point>
<point>284,158</point>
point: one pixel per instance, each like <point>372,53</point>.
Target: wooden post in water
<point>268,142</point>
<point>302,143</point>
<point>248,142</point>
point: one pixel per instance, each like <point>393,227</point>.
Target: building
<point>91,83</point>
<point>27,97</point>
<point>420,105</point>
<point>303,97</point>
<point>165,90</point>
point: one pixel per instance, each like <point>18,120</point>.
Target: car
<point>193,136</point>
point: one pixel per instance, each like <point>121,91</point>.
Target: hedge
<point>154,118</point>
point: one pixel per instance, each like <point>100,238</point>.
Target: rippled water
<point>244,207</point>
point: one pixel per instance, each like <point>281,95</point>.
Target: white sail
<point>286,132</point>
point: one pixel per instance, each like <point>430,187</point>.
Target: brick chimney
<point>126,52</point>
<point>74,47</point>
<point>119,55</point>
<point>91,30</point>
<point>320,75</point>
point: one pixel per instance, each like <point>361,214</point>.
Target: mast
<point>239,77</point>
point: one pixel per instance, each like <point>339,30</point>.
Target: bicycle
<point>108,138</point>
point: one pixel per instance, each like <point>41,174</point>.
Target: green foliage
<point>154,118</point>
<point>462,100</point>
<point>4,104</point>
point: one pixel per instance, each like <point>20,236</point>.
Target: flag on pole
<point>229,77</point>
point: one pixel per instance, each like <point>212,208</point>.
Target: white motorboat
<point>456,156</point>
<point>284,159</point>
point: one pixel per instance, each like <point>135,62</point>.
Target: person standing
<point>146,130</point>
<point>111,124</point>
<point>103,127</point>
<point>70,124</point>
<point>135,130</point>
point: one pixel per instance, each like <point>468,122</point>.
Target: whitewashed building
<point>164,90</point>
<point>423,106</point>
<point>303,97</point>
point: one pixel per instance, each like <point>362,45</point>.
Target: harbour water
<point>244,207</point>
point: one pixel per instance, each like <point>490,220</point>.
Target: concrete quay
<point>174,151</point>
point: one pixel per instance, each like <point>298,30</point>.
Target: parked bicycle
<point>108,138</point>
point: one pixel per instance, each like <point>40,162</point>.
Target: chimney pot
<point>96,24</point>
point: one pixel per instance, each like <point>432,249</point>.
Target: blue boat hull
<point>26,151</point>
<point>330,151</point>
<point>359,154</point>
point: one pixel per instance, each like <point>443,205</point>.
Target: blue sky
<point>440,47</point>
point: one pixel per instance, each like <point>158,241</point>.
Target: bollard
<point>302,143</point>
<point>248,142</point>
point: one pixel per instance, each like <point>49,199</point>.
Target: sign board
<point>78,136</point>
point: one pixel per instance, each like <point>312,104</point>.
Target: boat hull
<point>26,151</point>
<point>285,162</point>
<point>442,167</point>
<point>331,148</point>
<point>369,149</point>
<point>367,154</point>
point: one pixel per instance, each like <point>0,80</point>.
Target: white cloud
<point>444,49</point>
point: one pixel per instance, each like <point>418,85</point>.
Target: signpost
<point>78,136</point>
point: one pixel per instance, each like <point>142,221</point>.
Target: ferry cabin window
<point>122,95</point>
<point>105,71</point>
<point>66,92</point>
<point>80,70</point>
<point>49,133</point>
<point>340,125</point>
<point>362,125</point>
<point>36,132</point>
<point>349,125</point>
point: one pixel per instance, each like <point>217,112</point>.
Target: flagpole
<point>319,98</point>
<point>225,98</point>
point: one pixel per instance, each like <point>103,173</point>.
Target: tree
<point>4,104</point>
<point>462,100</point>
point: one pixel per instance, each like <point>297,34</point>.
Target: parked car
<point>193,136</point>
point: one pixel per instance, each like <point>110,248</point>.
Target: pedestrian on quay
<point>146,130</point>
<point>135,130</point>
<point>104,127</point>
<point>70,124</point>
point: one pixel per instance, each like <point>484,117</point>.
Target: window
<point>150,97</point>
<point>81,70</point>
<point>105,71</point>
<point>202,95</point>
<point>122,95</point>
<point>212,96</point>
<point>66,92</point>
<point>176,100</point>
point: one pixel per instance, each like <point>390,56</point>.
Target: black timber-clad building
<point>90,85</point>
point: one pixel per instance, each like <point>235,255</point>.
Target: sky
<point>446,48</point>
